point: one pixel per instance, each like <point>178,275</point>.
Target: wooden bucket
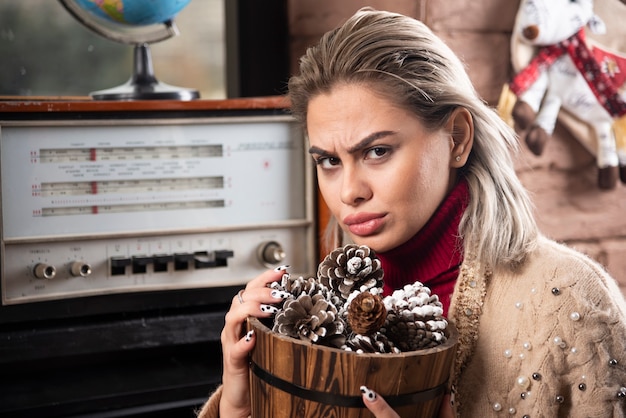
<point>293,378</point>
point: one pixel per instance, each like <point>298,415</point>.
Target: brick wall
<point>569,206</point>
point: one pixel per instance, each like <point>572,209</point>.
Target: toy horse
<point>566,73</point>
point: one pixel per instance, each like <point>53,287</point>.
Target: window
<point>46,52</point>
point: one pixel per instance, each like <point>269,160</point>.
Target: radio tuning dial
<point>44,271</point>
<point>271,253</point>
<point>80,269</point>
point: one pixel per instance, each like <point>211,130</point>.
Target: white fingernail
<point>281,268</point>
<point>269,308</point>
<point>279,294</point>
<point>370,395</point>
<point>249,335</point>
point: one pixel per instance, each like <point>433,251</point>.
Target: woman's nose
<point>355,187</point>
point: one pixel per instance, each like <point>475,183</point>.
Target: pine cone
<point>375,343</point>
<point>415,318</point>
<point>351,268</point>
<point>409,333</point>
<point>300,285</point>
<point>309,318</point>
<point>366,313</point>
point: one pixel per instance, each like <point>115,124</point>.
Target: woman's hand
<point>375,403</point>
<point>255,300</point>
<point>381,409</point>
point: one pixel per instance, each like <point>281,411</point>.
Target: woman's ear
<point>460,127</point>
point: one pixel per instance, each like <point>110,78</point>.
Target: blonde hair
<point>402,60</point>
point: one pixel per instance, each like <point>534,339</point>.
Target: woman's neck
<point>434,254</point>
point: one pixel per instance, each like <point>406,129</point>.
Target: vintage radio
<point>127,227</point>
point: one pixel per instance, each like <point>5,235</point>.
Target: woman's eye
<point>376,153</point>
<point>327,162</point>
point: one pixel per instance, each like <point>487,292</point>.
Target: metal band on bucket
<point>344,400</point>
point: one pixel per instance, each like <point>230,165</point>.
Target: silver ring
<point>239,295</point>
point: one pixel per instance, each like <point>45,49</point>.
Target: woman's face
<point>380,171</point>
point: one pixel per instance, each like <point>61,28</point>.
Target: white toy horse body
<point>549,22</point>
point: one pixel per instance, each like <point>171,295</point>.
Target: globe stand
<point>143,85</point>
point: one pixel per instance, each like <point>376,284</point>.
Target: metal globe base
<point>143,85</point>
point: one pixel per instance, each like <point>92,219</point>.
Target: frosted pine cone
<point>376,343</point>
<point>366,313</point>
<point>351,268</point>
<point>309,318</point>
<point>415,318</point>
<point>300,285</point>
<point>409,333</point>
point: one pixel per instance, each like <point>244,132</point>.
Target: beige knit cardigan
<point>548,340</point>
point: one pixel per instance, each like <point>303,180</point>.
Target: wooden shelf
<point>21,104</point>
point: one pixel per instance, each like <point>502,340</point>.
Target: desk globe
<point>138,23</point>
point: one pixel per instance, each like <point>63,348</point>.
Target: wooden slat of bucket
<point>271,354</point>
<point>327,370</point>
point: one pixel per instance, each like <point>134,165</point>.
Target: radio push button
<point>222,256</point>
<point>44,271</point>
<point>181,261</point>
<point>140,263</point>
<point>161,261</point>
<point>205,260</point>
<point>118,265</point>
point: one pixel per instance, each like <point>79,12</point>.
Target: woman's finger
<point>235,394</point>
<point>446,407</point>
<point>257,299</point>
<point>236,357</point>
<point>242,348</point>
<point>377,404</point>
<point>266,278</point>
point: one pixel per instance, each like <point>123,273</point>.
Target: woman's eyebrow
<point>319,151</point>
<point>361,145</point>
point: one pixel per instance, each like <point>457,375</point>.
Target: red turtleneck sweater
<point>434,254</point>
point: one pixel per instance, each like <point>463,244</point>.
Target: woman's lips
<point>363,224</point>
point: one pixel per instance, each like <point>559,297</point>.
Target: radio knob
<point>80,269</point>
<point>271,253</point>
<point>44,271</point>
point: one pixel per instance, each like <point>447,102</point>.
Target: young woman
<point>413,164</point>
